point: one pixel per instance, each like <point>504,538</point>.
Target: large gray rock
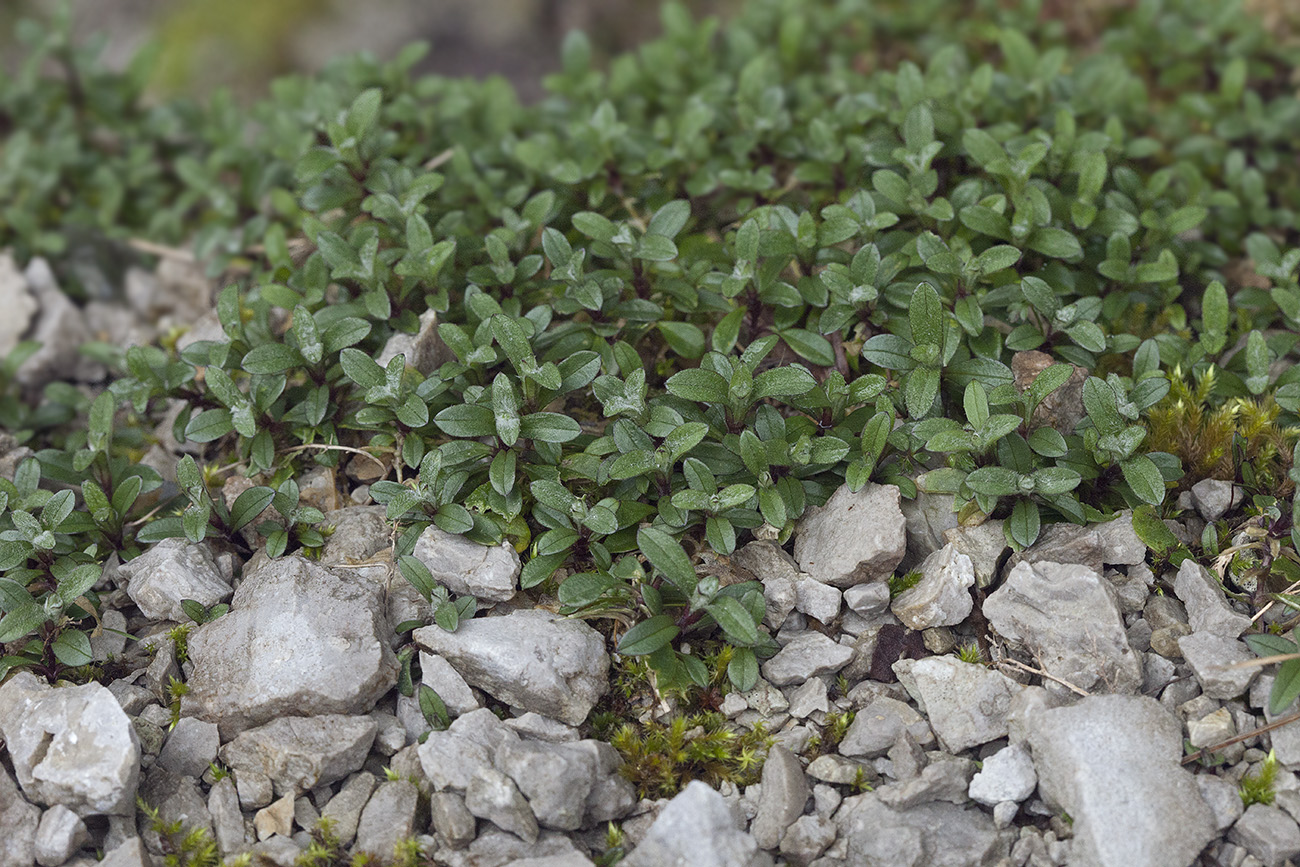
<point>388,819</point>
<point>1267,833</point>
<point>300,753</point>
<point>782,797</point>
<point>16,301</point>
<point>1207,608</point>
<point>556,779</point>
<point>1094,546</point>
<point>1068,618</point>
<point>72,745</point>
<point>1211,657</point>
<point>926,835</point>
<point>942,596</point>
<point>60,834</point>
<point>299,640</point>
<point>697,828</point>
<point>451,760</point>
<point>808,654</point>
<point>171,571</point>
<point>1112,763</point>
<point>467,568</point>
<point>967,704</point>
<point>854,538</point>
<point>879,724</point>
<point>18,821</point>
<point>529,659</point>
<point>1214,497</point>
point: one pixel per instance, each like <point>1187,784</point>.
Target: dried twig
<point>1213,748</point>
<point>1041,673</point>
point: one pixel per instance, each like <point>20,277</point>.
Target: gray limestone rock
<point>1267,833</point>
<point>784,792</point>
<point>1007,775</point>
<point>493,796</point>
<point>867,600</point>
<point>452,821</point>
<point>387,819</point>
<point>612,796</point>
<point>878,725</point>
<point>556,779</point>
<point>359,534</point>
<point>344,809</point>
<point>698,828</point>
<point>1112,763</point>
<point>72,745</point>
<point>808,654</point>
<point>497,848</point>
<point>941,597</point>
<point>927,835</point>
<point>59,834</point>
<point>967,704</point>
<point>1067,617</point>
<point>190,747</point>
<point>1213,497</point>
<point>944,779</point>
<point>227,819</point>
<point>439,675</point>
<point>61,329</point>
<point>809,697</point>
<point>18,820</point>
<point>785,588</point>
<point>423,350</point>
<point>300,753</point>
<point>927,516</point>
<point>299,640</point>
<point>529,659</point>
<point>1207,608</point>
<point>1211,656</point>
<point>467,568</point>
<point>983,544</point>
<point>170,571</point>
<point>854,538</point>
<point>128,853</point>
<point>807,838</point>
<point>541,728</point>
<point>18,303</point>
<point>177,799</point>
<point>450,761</point>
<point>1094,545</point>
<point>1223,797</point>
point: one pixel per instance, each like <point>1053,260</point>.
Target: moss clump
<point>660,759</point>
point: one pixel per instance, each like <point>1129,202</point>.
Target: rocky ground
<point>1063,745</point>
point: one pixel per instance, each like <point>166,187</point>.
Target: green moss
<point>660,759</point>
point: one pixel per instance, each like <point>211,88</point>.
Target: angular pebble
<point>854,538</point>
<point>942,596</point>
<point>170,571</point>
<point>966,704</point>
<point>809,654</point>
<point>1211,657</point>
<point>1207,608</point>
<point>697,828</point>
<point>300,753</point>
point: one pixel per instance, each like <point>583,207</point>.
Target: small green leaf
<point>742,671</point>
<point>361,368</point>
<point>926,316</point>
<point>698,384</point>
<point>1023,526</point>
<point>1285,688</point>
<point>685,339</point>
<point>271,358</point>
<point>549,427</point>
<point>735,621</point>
<point>249,505</point>
<point>418,574</point>
<point>433,708</point>
<point>1144,477</point>
<point>667,556</point>
<point>72,648</point>
<point>648,636</point>
<point>466,420</point>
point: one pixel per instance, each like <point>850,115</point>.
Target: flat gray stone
<point>467,568</point>
<point>1211,656</point>
<point>819,601</point>
<point>18,303</point>
<point>388,818</point>
<point>854,538</point>
<point>424,350</point>
<point>299,640</point>
<point>1112,763</point>
<point>1207,608</point>
<point>946,778</point>
<point>71,745</point>
<point>19,821</point>
<point>942,596</point>
<point>438,674</point>
<point>450,761</point>
<point>1068,618</point>
<point>983,544</point>
<point>1267,833</point>
<point>1007,775</point>
<point>529,659</point>
<point>1223,798</point>
<point>454,824</point>
<point>555,779</point>
<point>967,704</point>
<point>809,697</point>
<point>878,725</point>
<point>493,796</point>
<point>60,834</point>
<point>1214,497</point>
<point>807,838</point>
<point>1094,546</point>
<point>190,747</point>
<point>808,654</point>
<point>935,834</point>
<point>129,853</point>
<point>301,753</point>
<point>782,797</point>
<point>697,828</point>
<point>344,809</point>
<point>171,571</point>
<point>928,516</point>
<point>227,819</point>
<point>867,600</point>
